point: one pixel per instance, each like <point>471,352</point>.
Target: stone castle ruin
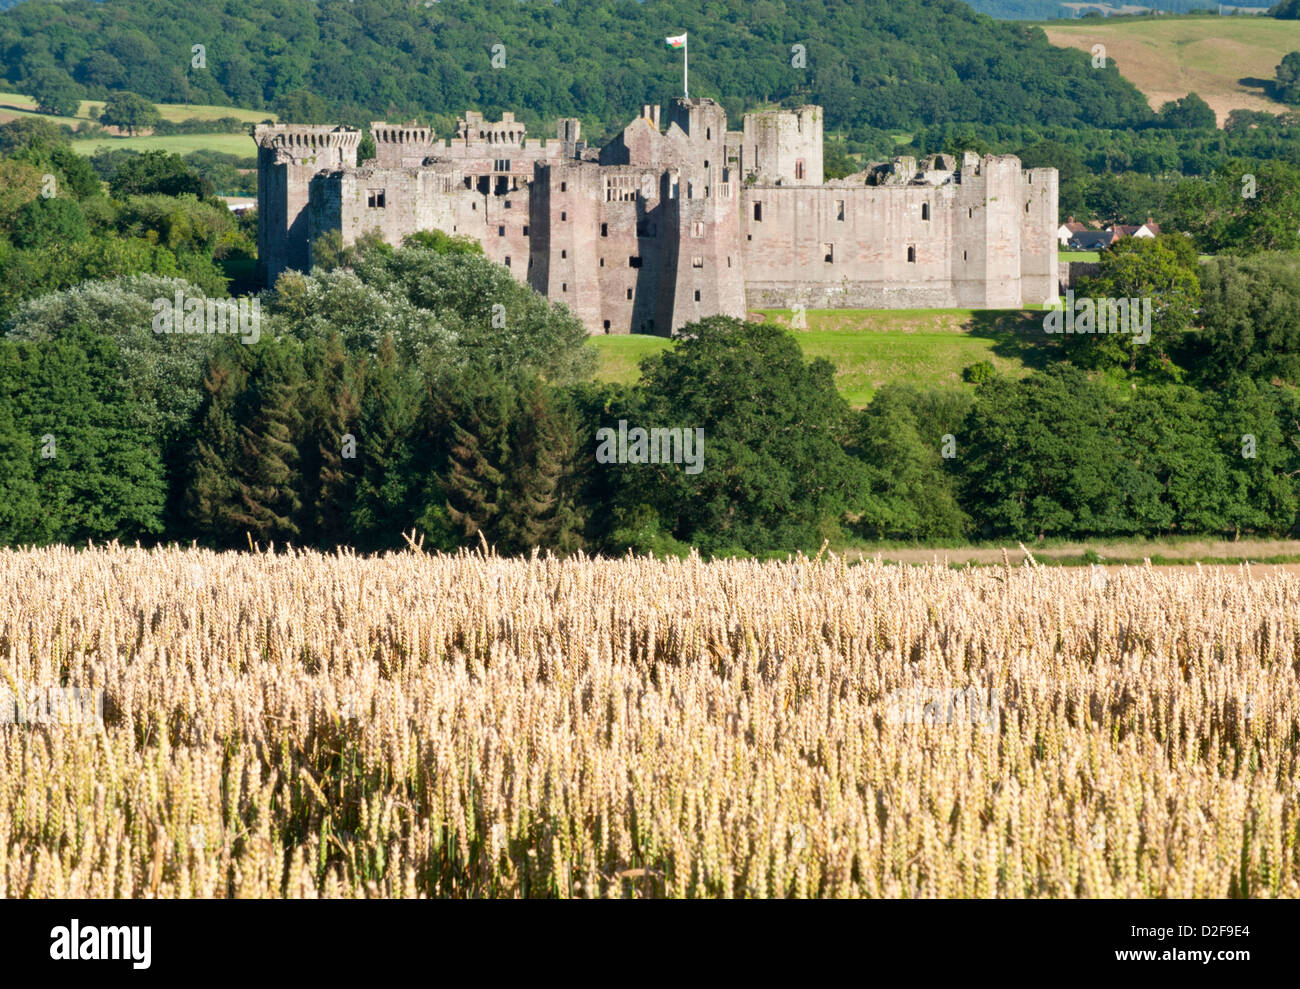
<point>670,223</point>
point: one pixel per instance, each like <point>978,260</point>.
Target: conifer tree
<point>332,407</point>
<point>381,506</point>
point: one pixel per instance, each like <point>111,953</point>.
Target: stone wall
<point>667,226</point>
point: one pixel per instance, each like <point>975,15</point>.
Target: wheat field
<point>308,725</point>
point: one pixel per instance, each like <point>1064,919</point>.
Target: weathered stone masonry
<point>666,225</point>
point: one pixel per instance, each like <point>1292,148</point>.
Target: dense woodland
<point>895,65</point>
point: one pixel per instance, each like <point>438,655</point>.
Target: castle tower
<point>784,147</point>
<point>401,145</point>
<point>288,157</point>
<point>705,123</point>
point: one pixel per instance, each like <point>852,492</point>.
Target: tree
<point>245,481</point>
<point>1250,323</point>
<point>773,473</point>
<point>837,163</point>
<point>157,172</point>
<point>908,492</point>
<point>331,414</point>
<point>1260,492</point>
<point>1286,87</point>
<point>129,111</point>
<point>98,471</point>
<point>1041,459</point>
<point>1243,208</point>
<point>302,106</point>
<point>48,221</point>
<point>1158,279</point>
<point>382,505</point>
<point>54,92</point>
<point>1189,113</point>
<point>20,501</point>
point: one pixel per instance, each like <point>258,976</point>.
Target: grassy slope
<point>13,105</point>
<point>1169,57</point>
<point>870,347</point>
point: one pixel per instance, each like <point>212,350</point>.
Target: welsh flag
<point>677,42</point>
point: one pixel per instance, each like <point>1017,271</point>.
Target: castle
<point>671,223</point>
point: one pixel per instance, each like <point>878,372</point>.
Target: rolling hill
<point>1222,59</point>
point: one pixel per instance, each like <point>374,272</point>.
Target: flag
<point>676,42</point>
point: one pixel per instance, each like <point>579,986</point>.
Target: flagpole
<point>686,63</point>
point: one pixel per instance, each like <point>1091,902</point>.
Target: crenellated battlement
<point>668,224</point>
<point>306,137</point>
<point>386,133</point>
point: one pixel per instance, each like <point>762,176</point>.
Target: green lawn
<point>181,144</point>
<point>620,355</point>
<point>869,347</point>
<point>1078,255</point>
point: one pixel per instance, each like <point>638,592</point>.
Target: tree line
<point>421,390</point>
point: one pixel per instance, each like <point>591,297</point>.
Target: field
<point>13,105</point>
<point>181,144</point>
<point>1168,57</point>
<point>926,347</point>
<point>1166,551</point>
<point>303,725</point>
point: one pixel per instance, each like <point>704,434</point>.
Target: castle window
<point>602,262</point>
<point>706,164</point>
<point>564,216</point>
<point>925,211</point>
<point>963,255</point>
<point>564,286</point>
<point>911,254</point>
<point>697,262</point>
<point>629,293</point>
<point>828,253</point>
<point>604,229</point>
<point>507,261</point>
<point>697,295</point>
<point>758,212</point>
<point>839,209</point>
<point>606,326</point>
<point>375,199</point>
<point>634,262</point>
<point>525,230</point>
<point>708,136</point>
<point>501,165</point>
<point>798,168</point>
<point>970,211</point>
<point>564,186</point>
<point>507,204</point>
<point>1026,207</point>
<point>728,260</point>
<point>501,231</point>
<point>564,254</point>
<point>697,228</point>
